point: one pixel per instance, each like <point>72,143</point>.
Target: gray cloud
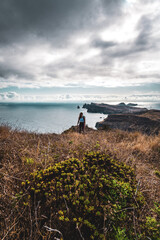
<point>20,18</point>
<point>155,76</point>
<point>9,71</point>
<point>103,44</point>
<point>8,95</point>
<point>144,40</point>
<point>60,42</point>
<point>54,20</point>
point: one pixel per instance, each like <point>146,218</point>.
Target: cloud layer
<point>13,97</point>
<point>100,43</point>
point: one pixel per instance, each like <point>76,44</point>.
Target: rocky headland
<point>147,122</point>
<point>127,117</point>
<point>113,109</point>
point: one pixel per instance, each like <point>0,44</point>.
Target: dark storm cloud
<point>42,18</point>
<point>6,73</point>
<point>145,39</point>
<point>48,19</point>
<point>112,7</point>
<point>63,42</point>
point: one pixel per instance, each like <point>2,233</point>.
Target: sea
<point>52,117</point>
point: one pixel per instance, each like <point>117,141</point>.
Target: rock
<point>122,104</point>
<point>78,107</point>
<point>148,123</point>
<point>112,109</point>
<point>76,129</point>
<point>132,104</point>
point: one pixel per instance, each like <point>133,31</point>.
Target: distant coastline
<point>52,117</point>
<point>126,117</point>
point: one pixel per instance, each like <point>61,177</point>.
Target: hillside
<point>148,122</point>
<point>39,172</point>
<point>114,109</point>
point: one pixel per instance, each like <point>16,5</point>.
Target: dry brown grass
<point>23,152</point>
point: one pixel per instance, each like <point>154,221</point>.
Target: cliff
<point>113,109</point>
<point>148,122</point>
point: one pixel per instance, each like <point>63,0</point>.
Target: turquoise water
<point>50,117</point>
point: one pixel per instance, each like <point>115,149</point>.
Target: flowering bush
<point>93,198</point>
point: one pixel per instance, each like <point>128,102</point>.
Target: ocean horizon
<point>52,117</point>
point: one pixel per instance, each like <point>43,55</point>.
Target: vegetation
<point>100,185</point>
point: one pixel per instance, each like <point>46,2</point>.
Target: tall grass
<point>22,153</point>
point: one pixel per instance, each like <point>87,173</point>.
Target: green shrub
<point>151,228</point>
<point>93,197</point>
<point>157,173</point>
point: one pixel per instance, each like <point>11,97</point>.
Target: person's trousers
<point>81,127</point>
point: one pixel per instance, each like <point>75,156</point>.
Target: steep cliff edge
<point>148,122</point>
<point>113,109</point>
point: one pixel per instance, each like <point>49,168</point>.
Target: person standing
<point>81,122</point>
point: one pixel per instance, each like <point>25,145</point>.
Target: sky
<point>68,50</point>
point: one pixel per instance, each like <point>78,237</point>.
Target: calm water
<point>50,118</point>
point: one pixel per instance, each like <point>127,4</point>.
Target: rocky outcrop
<point>148,123</point>
<point>113,109</point>
<point>76,129</point>
<point>132,104</point>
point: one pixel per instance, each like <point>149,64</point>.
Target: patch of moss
<point>93,197</point>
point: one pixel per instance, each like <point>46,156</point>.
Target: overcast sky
<point>71,47</point>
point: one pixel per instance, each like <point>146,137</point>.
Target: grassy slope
<point>22,152</point>
<point>152,114</point>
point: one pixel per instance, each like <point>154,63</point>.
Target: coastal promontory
<point>148,122</point>
<point>113,109</point>
<point>126,117</point>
